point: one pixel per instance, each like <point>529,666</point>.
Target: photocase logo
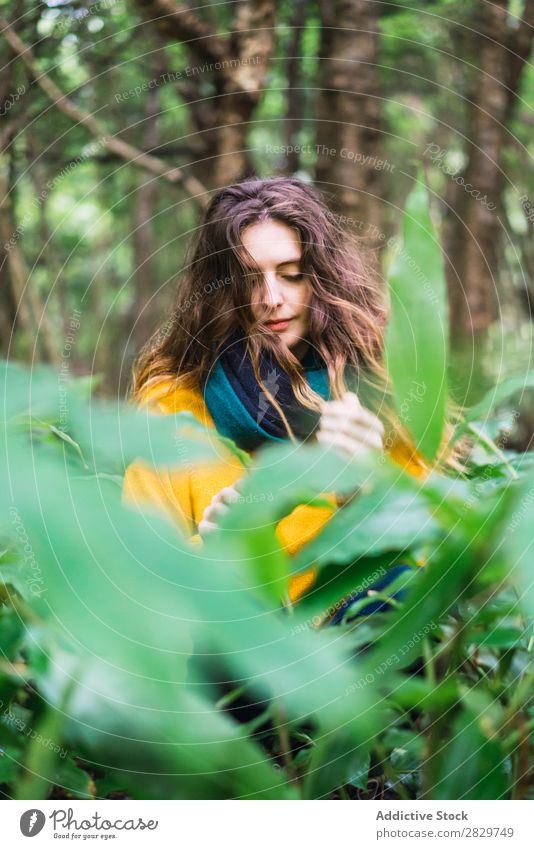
<point>271,384</point>
<point>32,822</point>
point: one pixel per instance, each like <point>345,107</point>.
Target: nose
<point>273,294</point>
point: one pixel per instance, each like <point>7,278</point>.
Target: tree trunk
<point>237,64</point>
<point>8,306</point>
<point>293,119</point>
<point>473,228</point>
<point>143,317</point>
<point>13,264</point>
<point>33,318</point>
<point>349,111</point>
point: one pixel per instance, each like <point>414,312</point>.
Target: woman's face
<point>283,308</point>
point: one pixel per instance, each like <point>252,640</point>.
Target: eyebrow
<point>295,261</point>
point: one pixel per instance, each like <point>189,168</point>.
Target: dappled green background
<point>447,84</point>
<point>133,665</point>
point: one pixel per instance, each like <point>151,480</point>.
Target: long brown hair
<point>220,284</point>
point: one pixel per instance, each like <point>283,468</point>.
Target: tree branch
<point>121,148</point>
<point>182,24</point>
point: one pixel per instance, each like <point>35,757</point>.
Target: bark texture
<point>473,229</point>
<point>349,111</point>
<point>236,62</point>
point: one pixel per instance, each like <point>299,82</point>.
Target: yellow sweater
<point>183,494</point>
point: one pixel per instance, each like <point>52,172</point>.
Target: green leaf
<point>64,437</point>
<point>11,748</point>
<point>26,392</point>
<point>334,584</point>
<point>417,333</point>
<point>11,633</point>
<point>421,694</point>
<point>388,515</point>
<point>407,748</point>
<point>111,437</point>
<point>501,638</point>
<point>471,763</point>
<point>73,781</point>
<point>494,398</point>
<point>281,478</point>
<point>125,599</point>
<point>517,540</point>
<point>337,761</point>
<point>39,391</point>
<point>41,756</point>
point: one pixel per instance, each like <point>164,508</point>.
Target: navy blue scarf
<point>240,408</point>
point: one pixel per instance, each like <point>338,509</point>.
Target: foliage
<point>124,647</point>
<point>418,327</point>
<point>108,240</point>
<point>135,664</point>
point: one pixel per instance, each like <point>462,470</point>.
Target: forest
<point>133,666</point>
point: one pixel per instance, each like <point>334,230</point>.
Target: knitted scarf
<point>240,408</point>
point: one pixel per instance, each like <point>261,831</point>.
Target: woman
<point>277,334</point>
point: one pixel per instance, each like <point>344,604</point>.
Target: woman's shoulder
<point>175,395</point>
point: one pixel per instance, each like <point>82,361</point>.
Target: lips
<point>279,324</point>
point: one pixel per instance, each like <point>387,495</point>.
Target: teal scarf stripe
<point>318,380</point>
<point>232,419</point>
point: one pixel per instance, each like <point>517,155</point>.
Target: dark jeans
<point>379,604</point>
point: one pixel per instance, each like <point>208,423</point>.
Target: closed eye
<point>293,278</point>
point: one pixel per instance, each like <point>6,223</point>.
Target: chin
<point>296,338</point>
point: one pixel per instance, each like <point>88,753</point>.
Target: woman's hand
<point>217,507</point>
<point>349,426</point>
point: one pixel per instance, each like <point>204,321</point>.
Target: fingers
<point>350,427</point>
<point>205,528</point>
<point>356,437</point>
<point>352,400</point>
<point>359,429</point>
<point>227,495</point>
<point>337,413</point>
<point>215,510</point>
<point>212,515</point>
<point>218,506</point>
<point>369,435</point>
